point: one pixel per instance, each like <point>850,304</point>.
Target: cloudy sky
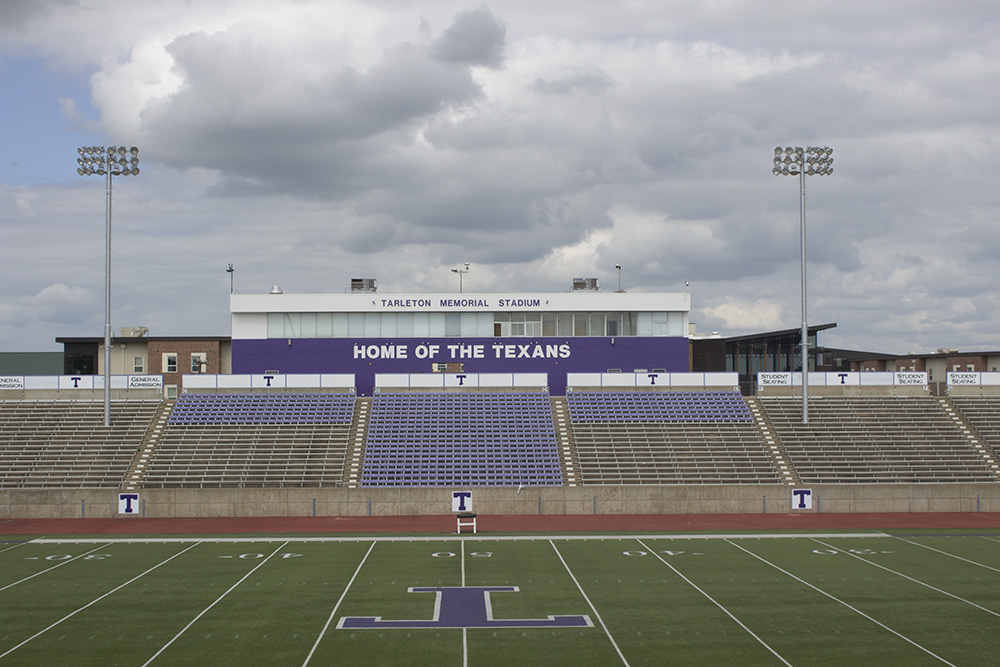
<point>311,142</point>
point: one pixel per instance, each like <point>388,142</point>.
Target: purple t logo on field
<point>458,607</point>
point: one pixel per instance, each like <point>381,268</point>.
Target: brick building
<point>139,354</point>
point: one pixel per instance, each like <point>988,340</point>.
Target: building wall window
<point>138,364</point>
<point>199,362</point>
<point>169,362</point>
<point>474,324</point>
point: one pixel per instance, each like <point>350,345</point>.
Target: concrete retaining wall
<point>706,499</point>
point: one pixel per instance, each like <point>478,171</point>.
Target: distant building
<point>170,356</point>
<point>937,364</point>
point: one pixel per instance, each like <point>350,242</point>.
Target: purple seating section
<point>492,439</point>
<point>213,409</point>
<point>657,407</point>
<point>445,439</point>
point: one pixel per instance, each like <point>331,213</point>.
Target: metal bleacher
<point>64,443</point>
<point>228,439</point>
<point>461,439</point>
<point>983,414</point>
<point>667,437</point>
<point>883,439</point>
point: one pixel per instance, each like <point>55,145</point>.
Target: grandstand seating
<point>64,443</point>
<point>983,414</point>
<point>660,437</point>
<point>887,439</point>
<point>461,439</point>
<point>494,438</point>
<point>206,409</point>
<point>217,440</point>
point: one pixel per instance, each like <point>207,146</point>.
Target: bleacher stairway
<point>565,441</point>
<point>136,471</point>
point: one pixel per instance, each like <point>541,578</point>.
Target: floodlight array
<point>812,161</point>
<point>116,160</point>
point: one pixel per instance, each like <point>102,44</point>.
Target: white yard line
<point>838,600</point>
<point>465,631</point>
<point>71,614</point>
<point>337,606</point>
<point>49,569</point>
<point>909,578</point>
<point>590,604</point>
<point>217,601</point>
<point>945,553</point>
<point>717,604</point>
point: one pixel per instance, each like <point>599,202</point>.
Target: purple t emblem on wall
<point>460,607</point>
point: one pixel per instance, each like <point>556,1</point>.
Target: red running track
<point>501,524</point>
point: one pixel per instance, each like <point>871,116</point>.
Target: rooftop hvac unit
<point>134,332</point>
<point>585,284</point>
<point>364,285</point>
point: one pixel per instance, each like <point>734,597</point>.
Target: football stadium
<point>490,479</point>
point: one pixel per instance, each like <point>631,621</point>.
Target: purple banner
<point>365,357</point>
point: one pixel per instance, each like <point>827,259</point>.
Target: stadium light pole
<point>461,275</point>
<point>814,161</point>
<point>113,161</point>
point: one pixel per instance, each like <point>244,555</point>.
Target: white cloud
<point>309,142</point>
<point>758,315</point>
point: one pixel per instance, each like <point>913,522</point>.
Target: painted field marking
<point>591,604</point>
<point>849,606</point>
<point>333,613</point>
<point>452,538</point>
<point>118,588</point>
<point>966,560</point>
<point>465,631</point>
<point>217,601</point>
<point>717,604</point>
<point>49,569</point>
<point>909,578</point>
<point>13,546</point>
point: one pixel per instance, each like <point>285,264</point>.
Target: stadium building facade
<point>365,333</point>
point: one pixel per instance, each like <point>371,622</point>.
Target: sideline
<point>452,538</point>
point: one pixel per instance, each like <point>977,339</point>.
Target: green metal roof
<point>31,363</point>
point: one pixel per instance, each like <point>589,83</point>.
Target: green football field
<point>767,599</point>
